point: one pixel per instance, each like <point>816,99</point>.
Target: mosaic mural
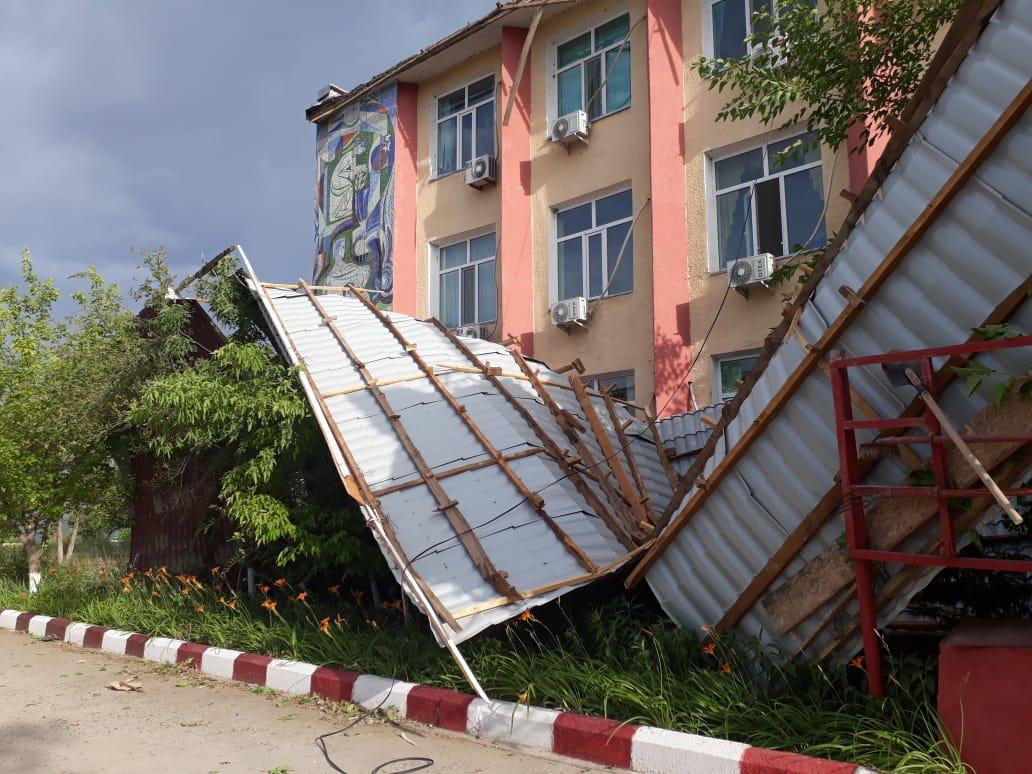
<point>355,196</point>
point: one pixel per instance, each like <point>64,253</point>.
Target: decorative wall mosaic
<point>355,196</point>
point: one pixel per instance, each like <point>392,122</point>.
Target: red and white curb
<point>598,740</point>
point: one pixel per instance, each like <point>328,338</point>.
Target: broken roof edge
<point>963,33</point>
<point>327,107</point>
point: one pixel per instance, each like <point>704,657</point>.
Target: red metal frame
<point>854,490</point>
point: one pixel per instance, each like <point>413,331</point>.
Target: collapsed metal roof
<point>750,536</point>
<point>491,483</point>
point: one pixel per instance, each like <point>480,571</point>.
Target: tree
<point>64,387</point>
<point>843,65</point>
<point>243,407</point>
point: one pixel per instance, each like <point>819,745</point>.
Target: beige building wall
<point>619,336</point>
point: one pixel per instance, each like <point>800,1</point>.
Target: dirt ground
<point>57,715</point>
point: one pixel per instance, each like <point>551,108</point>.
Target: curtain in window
<point>447,146</point>
<point>449,299</point>
<point>570,95</point>
<point>804,203</point>
<point>734,226</point>
<point>729,29</point>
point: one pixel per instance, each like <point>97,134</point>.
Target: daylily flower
<point>726,669</point>
<point>324,625</point>
<point>199,608</point>
<point>301,596</point>
<point>269,605</point>
<point>526,615</point>
<point>334,589</point>
<point>858,662</point>
<point>265,588</point>
<point>215,570</point>
<point>280,582</point>
<point>708,650</point>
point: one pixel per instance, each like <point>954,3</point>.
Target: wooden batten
<point>533,498</point>
<point>447,473</point>
<point>462,528</point>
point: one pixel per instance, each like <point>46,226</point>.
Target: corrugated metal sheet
<point>974,255</point>
<point>514,536</point>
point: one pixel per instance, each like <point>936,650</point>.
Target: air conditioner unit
<point>572,126</point>
<point>471,331</point>
<point>481,172</point>
<point>750,271</point>
<point>570,311</point>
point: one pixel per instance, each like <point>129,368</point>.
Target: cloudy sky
<point>145,123</point>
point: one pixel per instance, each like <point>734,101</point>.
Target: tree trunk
<point>60,541</point>
<point>33,552</point>
<point>74,536</point>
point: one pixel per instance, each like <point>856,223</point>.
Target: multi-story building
<point>638,214</point>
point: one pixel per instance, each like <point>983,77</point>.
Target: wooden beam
<point>664,459</point>
<point>521,65</point>
<point>632,463</point>
<point>535,500</point>
<point>611,455</point>
<point>463,530</point>
<point>449,472</point>
<point>557,454</point>
<point>629,524</point>
<point>911,237</point>
<point>357,487</point>
<point>827,506</point>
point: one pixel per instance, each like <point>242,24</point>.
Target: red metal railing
<point>854,489</point>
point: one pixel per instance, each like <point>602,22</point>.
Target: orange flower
<point>215,570</point>
<point>858,662</point>
<point>280,582</point>
<point>199,608</point>
<point>523,698</point>
<point>163,570</point>
<point>324,625</point>
<point>526,616</point>
<point>301,596</point>
<point>726,669</point>
<point>52,571</point>
<point>125,589</point>
<point>231,604</point>
<point>186,591</point>
<point>149,573</point>
<point>708,650</point>
<point>334,589</point>
<point>153,594</point>
<point>269,605</point>
<point>265,588</point>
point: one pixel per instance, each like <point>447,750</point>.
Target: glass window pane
<point>612,32</point>
<point>469,295</point>
<point>804,202</point>
<point>592,84</point>
<point>453,255</point>
<point>733,370</point>
<point>570,97</point>
<point>571,272</point>
<point>761,19</point>
<point>623,275</point>
<point>449,298</point>
<point>485,129</point>
<point>446,147</point>
<point>615,207</point>
<point>573,220</point>
<point>796,152</point>
<point>734,226</point>
<point>620,386</point>
<point>739,169</point>
<point>729,29</point>
<point>618,86</point>
<point>487,292</point>
<point>768,216</point>
<point>482,247</point>
<point>575,49</point>
<point>467,138</point>
<point>596,274</point>
<point>451,103</point>
<point>481,89</point>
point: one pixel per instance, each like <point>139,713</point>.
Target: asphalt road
<point>58,715</point>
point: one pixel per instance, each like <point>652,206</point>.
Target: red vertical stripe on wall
<point>406,136</point>
<point>671,334</point>
<point>515,268</point>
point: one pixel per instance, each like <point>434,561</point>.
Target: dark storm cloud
<point>128,124</point>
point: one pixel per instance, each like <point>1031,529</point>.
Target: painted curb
<point>596,740</point>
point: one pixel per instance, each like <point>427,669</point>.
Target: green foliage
<point>615,659</point>
<point>244,407</point>
<point>828,69</point>
<point>976,374</point>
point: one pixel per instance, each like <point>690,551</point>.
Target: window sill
<point>444,175</point>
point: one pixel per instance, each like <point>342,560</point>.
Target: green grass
<point>615,660</point>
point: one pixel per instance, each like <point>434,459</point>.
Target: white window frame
<point>593,381</point>
<point>435,121</point>
<point>554,240</point>
<point>718,386</point>
<point>708,43</point>
<point>712,192</point>
<point>434,285</point>
<point>552,94</point>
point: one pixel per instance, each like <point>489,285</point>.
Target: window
<point>466,282</point>
<point>732,22</point>
<point>588,241</point>
<point>583,64</point>
<point>769,203</point>
<point>465,126</point>
<point>728,371</point>
<point>619,385</point>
